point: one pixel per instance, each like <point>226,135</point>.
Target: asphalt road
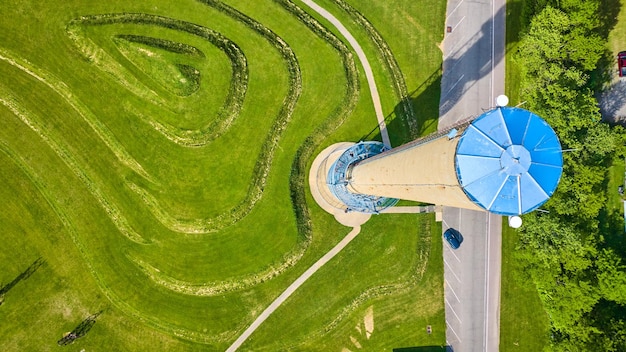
<point>473,76</point>
<point>472,281</point>
<point>473,67</point>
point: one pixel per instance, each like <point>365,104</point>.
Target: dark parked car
<point>621,63</point>
<point>453,237</point>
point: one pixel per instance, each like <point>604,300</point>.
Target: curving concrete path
<point>349,219</point>
<point>369,75</point>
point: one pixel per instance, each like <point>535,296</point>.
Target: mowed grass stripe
<point>207,181</point>
<point>95,260</point>
<point>60,88</point>
<point>135,286</point>
<point>184,136</point>
<point>202,183</point>
<point>120,271</point>
<point>111,209</point>
<point>254,193</point>
<point>166,259</point>
<point>88,255</point>
<point>243,282</point>
<point>274,269</point>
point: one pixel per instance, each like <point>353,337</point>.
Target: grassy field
<point>413,32</point>
<point>524,325</point>
<point>153,162</point>
<point>617,37</point>
<point>513,71</point>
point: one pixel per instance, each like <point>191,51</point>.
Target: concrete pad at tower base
<point>322,195</point>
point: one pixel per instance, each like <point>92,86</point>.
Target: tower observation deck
<point>507,161</point>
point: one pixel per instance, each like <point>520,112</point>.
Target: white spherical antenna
<point>515,221</point>
<point>502,100</point>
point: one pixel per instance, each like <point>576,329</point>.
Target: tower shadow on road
<point>471,59</point>
<point>443,88</point>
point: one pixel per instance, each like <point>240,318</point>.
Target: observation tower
<point>507,161</point>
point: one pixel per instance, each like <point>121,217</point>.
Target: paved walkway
<point>366,66</point>
<point>349,219</point>
<point>293,287</point>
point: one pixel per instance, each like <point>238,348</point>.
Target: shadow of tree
<point>608,12</point>
<point>612,227</point>
<point>22,276</point>
<point>606,69</point>
<point>81,330</point>
<point>605,314</point>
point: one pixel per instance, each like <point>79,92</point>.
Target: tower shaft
<point>418,171</point>
<point>507,161</point>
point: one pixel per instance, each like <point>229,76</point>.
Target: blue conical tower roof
<point>509,161</point>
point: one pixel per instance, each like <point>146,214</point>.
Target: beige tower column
<point>422,171</point>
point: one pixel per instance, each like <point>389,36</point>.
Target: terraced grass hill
<point>152,167</point>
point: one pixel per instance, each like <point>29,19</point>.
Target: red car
<point>621,63</point>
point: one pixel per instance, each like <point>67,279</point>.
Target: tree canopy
<point>580,277</point>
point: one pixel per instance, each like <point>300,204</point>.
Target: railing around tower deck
<point>337,182</point>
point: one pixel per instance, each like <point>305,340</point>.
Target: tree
<point>611,276</point>
<point>581,283</point>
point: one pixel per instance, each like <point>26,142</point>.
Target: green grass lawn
<point>413,31</point>
<point>617,37</point>
<point>149,156</point>
<point>401,306</point>
<point>513,71</point>
<point>612,217</point>
<point>524,325</point>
